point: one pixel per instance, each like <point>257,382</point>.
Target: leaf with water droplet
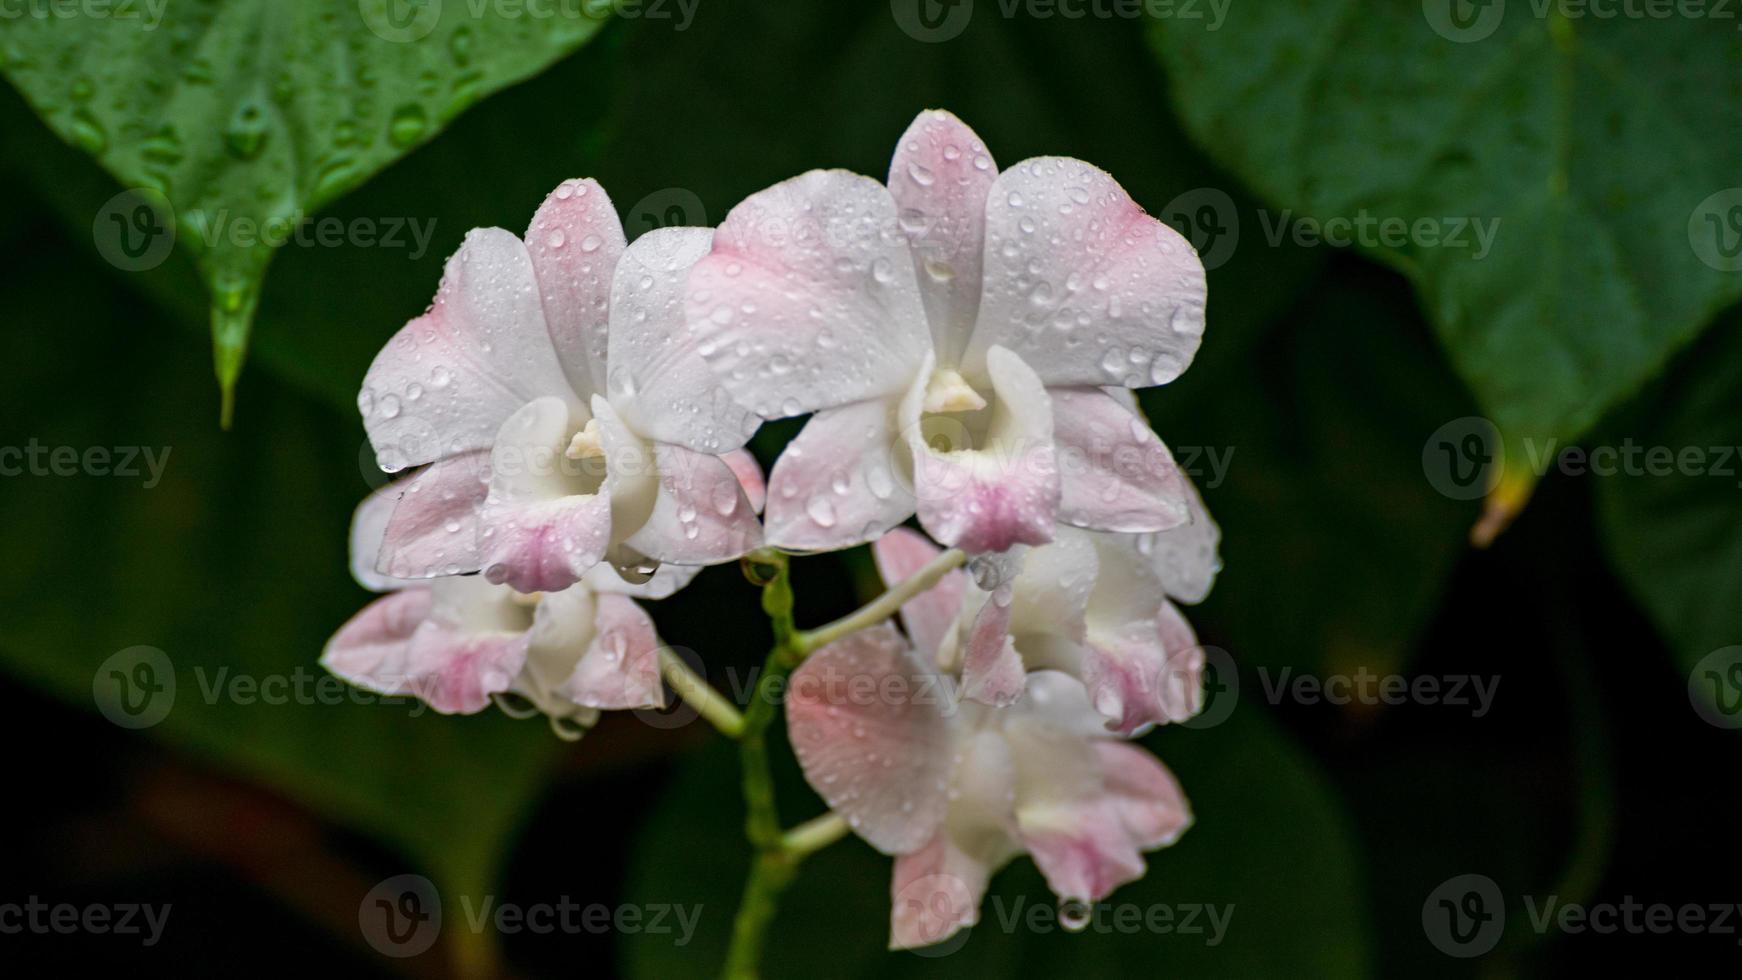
<point>257,131</point>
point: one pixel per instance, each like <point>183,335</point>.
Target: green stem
<point>778,853</point>
<point>883,607</point>
<point>772,868</point>
<point>696,692</point>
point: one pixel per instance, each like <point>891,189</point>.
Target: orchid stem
<point>697,693</point>
<point>778,852</point>
<point>815,834</point>
<point>880,608</point>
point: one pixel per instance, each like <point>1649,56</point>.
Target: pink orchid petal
<point>992,670</point>
<point>940,177</point>
<point>537,534</point>
<point>1126,673</point>
<point>935,892</point>
<point>1003,493</point>
<point>931,615</point>
<point>1185,559</point>
<point>838,483</point>
<point>749,473</point>
<point>701,516</point>
<point>658,382</point>
<point>545,546</point>
<point>1151,805</point>
<point>808,300</point>
<point>448,379</point>
<point>455,670</point>
<point>434,527</point>
<point>370,650</point>
<point>575,241</point>
<point>1084,285</point>
<point>368,530</point>
<point>1116,474</point>
<point>871,734</point>
<point>620,669</point>
<point>1083,848</point>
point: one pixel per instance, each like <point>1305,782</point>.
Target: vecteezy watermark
<point>932,907</point>
<point>1464,233</point>
<point>1715,230</point>
<point>402,916</point>
<point>33,915</point>
<point>34,459</point>
<point>668,207</point>
<point>1715,687</point>
<point>1365,687</point>
<point>569,917</point>
<point>244,231</point>
<point>1198,919</point>
<point>1466,916</point>
<point>406,21</point>
<point>1207,217</point>
<point>933,21</point>
<point>1465,21</point>
<point>1465,458</point>
<point>137,688</point>
<point>135,230</point>
<point>148,14</point>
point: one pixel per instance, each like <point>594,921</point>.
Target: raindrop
<point>408,124</point>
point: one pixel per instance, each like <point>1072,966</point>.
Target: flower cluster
<point>574,408</point>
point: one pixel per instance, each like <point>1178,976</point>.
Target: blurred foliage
<point>1321,377</point>
<point>244,116</point>
<point>1590,144</point>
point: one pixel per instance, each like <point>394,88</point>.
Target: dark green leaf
<point>232,121</point>
<point>1674,522</point>
<point>1601,147</point>
<point>133,522</point>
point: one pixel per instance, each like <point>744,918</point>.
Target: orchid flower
<point>953,332</point>
<point>457,642</point>
<point>955,789</point>
<point>566,414</point>
<point>1093,605</point>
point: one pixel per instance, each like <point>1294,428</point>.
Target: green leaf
<point>1298,908</point>
<point>232,121</point>
<point>1600,146</point>
<point>1673,528</point>
<point>226,553</point>
<point>1336,544</point>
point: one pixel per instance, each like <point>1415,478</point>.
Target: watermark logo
<point>1715,687</point>
<point>148,14</point>
<point>1464,458</point>
<point>1464,21</point>
<point>1206,216</point>
<point>668,207</point>
<point>1465,916</point>
<point>932,21</point>
<point>1221,691</point>
<point>401,916</point>
<point>135,230</point>
<point>400,21</point>
<point>1715,230</point>
<point>135,687</point>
